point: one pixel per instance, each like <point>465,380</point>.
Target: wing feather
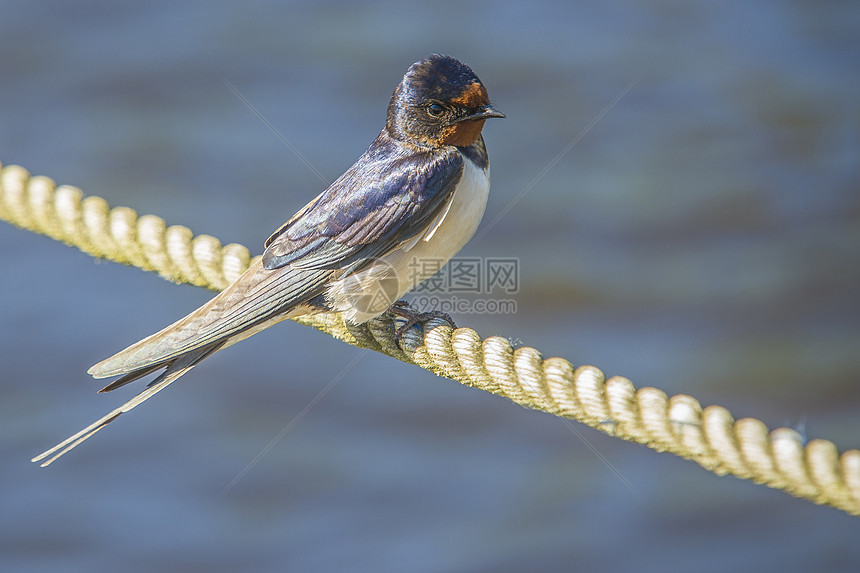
<point>375,206</point>
<point>257,296</point>
<point>388,197</point>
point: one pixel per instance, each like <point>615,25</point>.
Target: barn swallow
<point>417,193</point>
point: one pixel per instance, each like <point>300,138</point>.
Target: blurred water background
<point>703,237</point>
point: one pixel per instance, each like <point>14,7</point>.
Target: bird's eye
<point>435,109</point>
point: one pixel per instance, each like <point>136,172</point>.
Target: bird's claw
<point>402,309</point>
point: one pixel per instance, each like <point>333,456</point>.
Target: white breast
<point>369,292</point>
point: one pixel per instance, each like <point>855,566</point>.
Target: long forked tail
<point>174,370</point>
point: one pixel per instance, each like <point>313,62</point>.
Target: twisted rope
<point>708,436</point>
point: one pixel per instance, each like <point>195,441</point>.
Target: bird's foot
<point>402,309</point>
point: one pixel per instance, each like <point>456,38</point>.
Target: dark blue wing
<point>390,195</point>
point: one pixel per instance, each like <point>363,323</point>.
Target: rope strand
<point>710,436</point>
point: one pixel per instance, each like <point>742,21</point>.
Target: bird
<point>417,193</point>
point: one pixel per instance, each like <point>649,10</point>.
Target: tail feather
<point>131,377</point>
<point>175,369</point>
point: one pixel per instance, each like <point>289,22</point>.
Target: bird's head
<point>440,101</point>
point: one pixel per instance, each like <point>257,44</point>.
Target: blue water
<point>702,237</point>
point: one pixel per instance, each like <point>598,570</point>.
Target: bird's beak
<point>482,113</point>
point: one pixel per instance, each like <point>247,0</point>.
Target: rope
<point>708,436</point>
